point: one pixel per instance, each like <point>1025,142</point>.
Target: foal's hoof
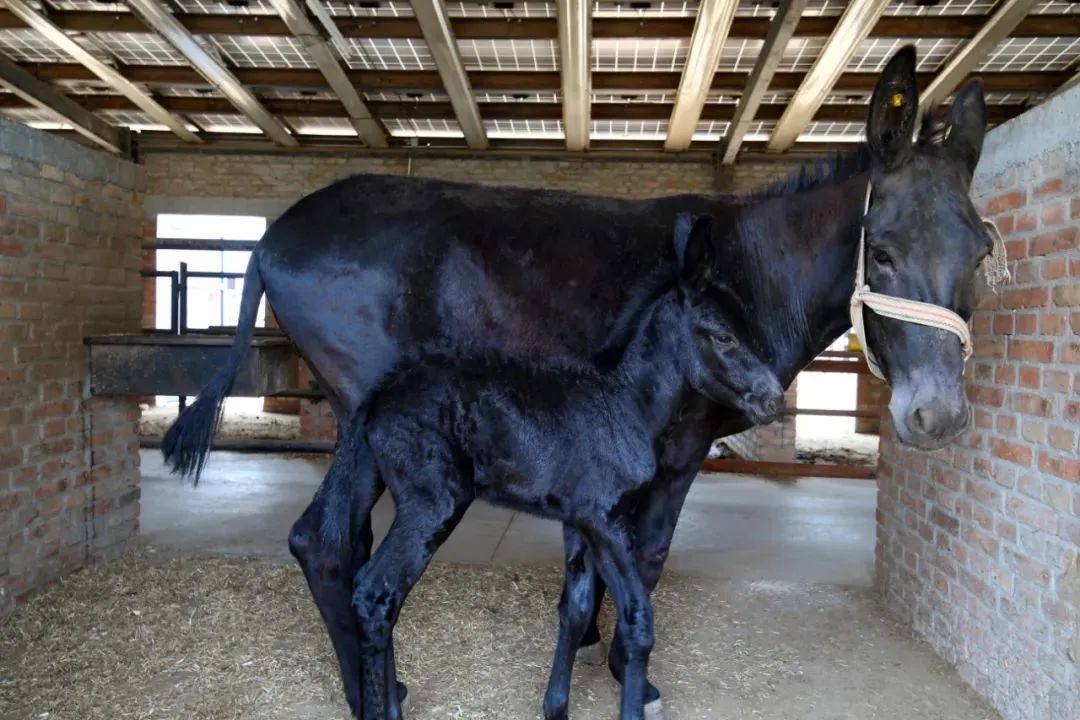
<point>654,710</point>
<point>595,654</point>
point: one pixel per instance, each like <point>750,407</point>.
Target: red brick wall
<point>70,221</point>
<point>977,543</point>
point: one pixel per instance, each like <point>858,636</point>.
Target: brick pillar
<point>871,394</point>
<point>979,543</point>
<point>285,405</point>
<point>316,419</point>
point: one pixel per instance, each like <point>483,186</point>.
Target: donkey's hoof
<point>595,654</point>
<point>654,710</point>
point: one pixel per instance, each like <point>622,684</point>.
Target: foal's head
<point>925,242</point>
<point>720,359</point>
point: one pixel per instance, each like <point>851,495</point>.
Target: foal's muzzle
<point>765,403</point>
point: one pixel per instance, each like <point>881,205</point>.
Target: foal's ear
<point>693,244</point>
<point>894,107</point>
<point>967,125</point>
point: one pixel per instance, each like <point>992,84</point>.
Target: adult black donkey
<point>374,267</point>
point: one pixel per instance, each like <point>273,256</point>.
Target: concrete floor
<point>811,531</point>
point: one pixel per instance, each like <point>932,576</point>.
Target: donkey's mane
<point>812,174</point>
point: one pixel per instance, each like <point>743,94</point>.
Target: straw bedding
<point>156,636</point>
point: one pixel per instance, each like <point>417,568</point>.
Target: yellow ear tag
<point>897,100</point>
<point>948,131</point>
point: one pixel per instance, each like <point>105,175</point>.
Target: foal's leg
<point>611,549</point>
<point>575,609</point>
<point>427,512</point>
<point>683,448</point>
<point>330,560</point>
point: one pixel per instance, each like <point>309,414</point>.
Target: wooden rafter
<point>957,27</point>
<point>854,25</point>
<point>785,19</point>
<point>707,42</point>
<point>321,52</point>
<point>35,93</point>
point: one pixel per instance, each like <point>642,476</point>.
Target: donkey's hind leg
<point>430,500</point>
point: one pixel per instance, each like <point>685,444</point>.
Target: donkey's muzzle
<point>765,404</point>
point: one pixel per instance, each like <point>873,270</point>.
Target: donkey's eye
<point>882,258</point>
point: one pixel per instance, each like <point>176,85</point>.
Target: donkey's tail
<point>187,442</point>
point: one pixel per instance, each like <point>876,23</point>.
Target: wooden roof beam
<point>368,129</point>
<point>575,63</point>
<point>710,32</point>
<point>785,19</point>
<point>156,15</point>
<point>106,73</point>
<point>961,63</point>
<point>957,27</point>
<point>853,27</point>
<point>41,95</point>
<point>731,83</point>
<point>439,36</point>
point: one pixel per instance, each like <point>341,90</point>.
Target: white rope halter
<point>914,311</point>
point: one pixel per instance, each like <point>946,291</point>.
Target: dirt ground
<point>242,420</point>
<point>848,448</point>
<point>224,639</point>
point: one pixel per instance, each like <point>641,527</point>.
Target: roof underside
<point>511,57</point>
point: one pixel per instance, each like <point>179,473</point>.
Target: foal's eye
<point>883,258</point>
<point>725,341</point>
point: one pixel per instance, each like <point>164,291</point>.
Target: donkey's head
<point>719,357</point>
<point>924,241</point>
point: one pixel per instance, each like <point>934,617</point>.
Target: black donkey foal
<point>566,443</point>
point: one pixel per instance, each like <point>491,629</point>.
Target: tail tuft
<point>187,442</point>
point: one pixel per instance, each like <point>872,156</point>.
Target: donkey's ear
<point>967,125</point>
<point>684,225</point>
<point>693,244</point>
<point>893,109</point>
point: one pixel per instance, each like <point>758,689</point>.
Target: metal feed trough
<point>160,364</point>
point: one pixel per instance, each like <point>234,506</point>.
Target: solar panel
<point>872,54</point>
<point>28,46</point>
<point>253,7</point>
<point>739,55</point>
<point>1032,54</point>
<point>650,54</point>
<point>530,129</point>
<point>220,122</point>
<point>422,128</point>
<point>535,55</point>
<point>390,54</point>
<point>321,126</point>
<point>139,48</point>
<point>254,51</point>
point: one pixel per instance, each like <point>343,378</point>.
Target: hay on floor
<point>224,639</point>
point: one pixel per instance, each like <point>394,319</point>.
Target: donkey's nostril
<point>771,406</point>
<point>925,419</point>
